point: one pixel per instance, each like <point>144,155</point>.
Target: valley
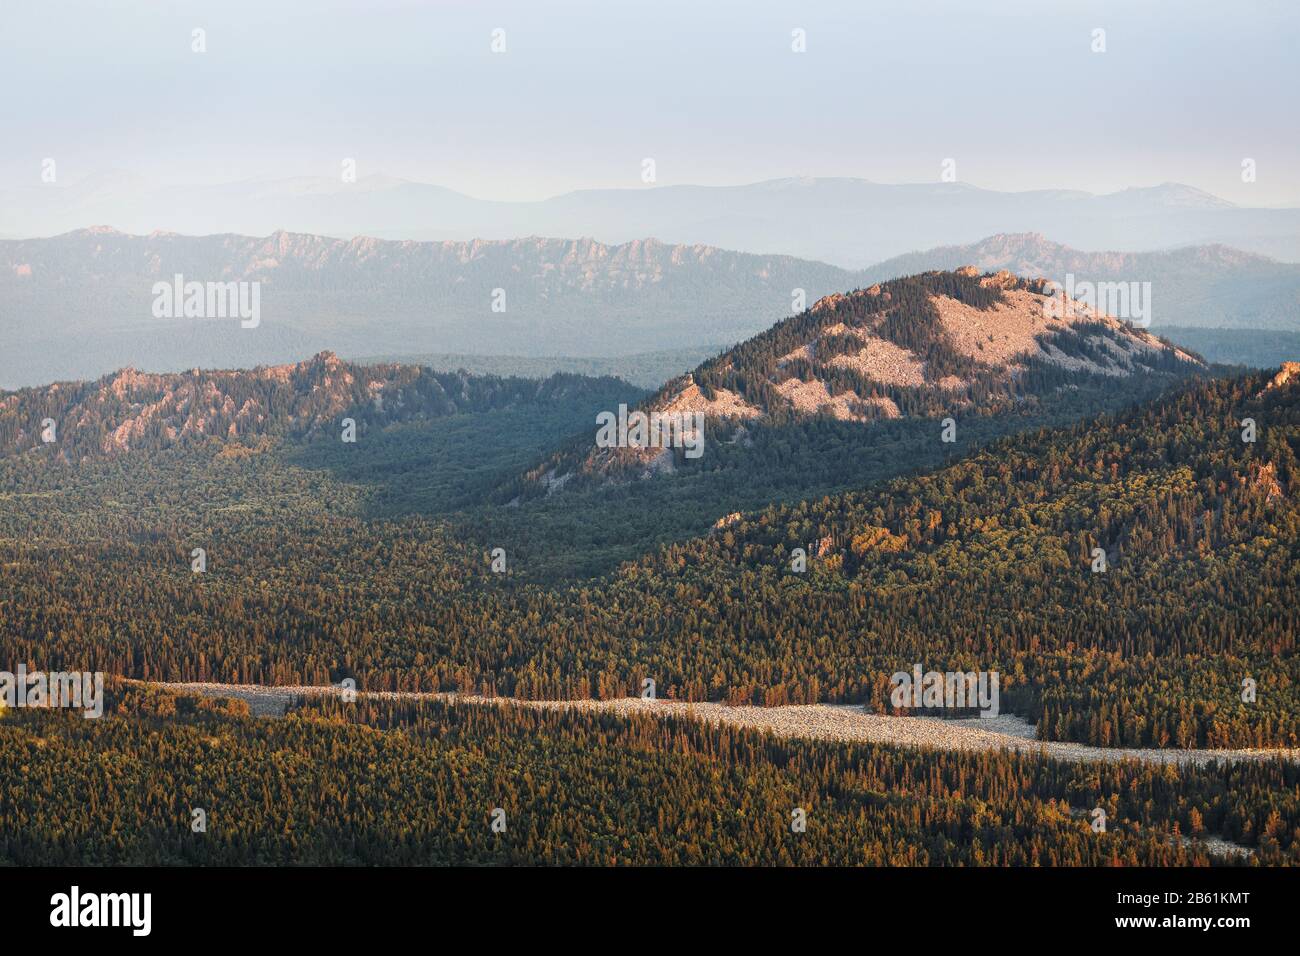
<point>838,722</point>
<point>501,587</point>
<point>585,450</point>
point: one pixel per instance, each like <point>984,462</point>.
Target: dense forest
<point>382,571</point>
<point>418,783</point>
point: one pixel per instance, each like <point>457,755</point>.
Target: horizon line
<point>380,176</point>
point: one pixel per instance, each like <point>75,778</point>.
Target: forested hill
<point>929,345</point>
<point>986,563</point>
<point>136,411</point>
<point>992,563</point>
<point>1178,473</point>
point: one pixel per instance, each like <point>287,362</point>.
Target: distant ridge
<point>130,411</point>
<point>79,305</point>
<point>1205,286</point>
<point>847,222</point>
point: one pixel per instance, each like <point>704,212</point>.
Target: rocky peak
<point>929,345</point>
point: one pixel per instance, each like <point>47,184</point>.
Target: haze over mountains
<point>1206,286</point>
<point>850,223</point>
<point>79,305</point>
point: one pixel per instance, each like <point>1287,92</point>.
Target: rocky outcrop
<point>1288,373</point>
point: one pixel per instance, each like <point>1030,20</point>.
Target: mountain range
<point>79,305</point>
<point>848,222</point>
<point>984,554</point>
<point>856,388</point>
<point>960,344</point>
<point>426,556</point>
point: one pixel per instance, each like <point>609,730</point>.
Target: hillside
<point>983,563</point>
<point>926,346</point>
<point>137,411</point>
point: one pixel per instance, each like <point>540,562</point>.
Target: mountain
<point>848,222</point>
<point>985,562</point>
<point>930,345</point>
<point>1194,286</point>
<point>136,411</point>
<point>77,305</point>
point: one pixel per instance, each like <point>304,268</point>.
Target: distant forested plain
<point>174,780</point>
<point>1252,348</point>
<point>646,370</point>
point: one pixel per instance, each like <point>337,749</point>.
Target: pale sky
<point>709,88</point>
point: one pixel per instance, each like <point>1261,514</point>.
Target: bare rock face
<point>829,302</point>
<point>1002,279</point>
<point>130,410</point>
<point>1288,373</point>
<point>1263,481</point>
<point>992,338</point>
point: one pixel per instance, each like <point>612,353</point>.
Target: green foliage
<point>311,576</point>
<point>386,782</point>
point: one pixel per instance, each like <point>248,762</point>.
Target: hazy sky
<point>711,90</point>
